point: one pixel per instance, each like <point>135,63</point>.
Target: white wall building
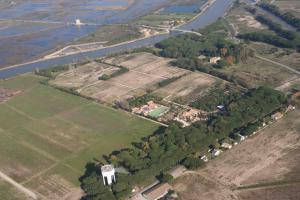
<point>108,174</point>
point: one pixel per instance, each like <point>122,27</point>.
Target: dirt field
<point>84,75</point>
<point>266,166</point>
<point>145,71</point>
<point>184,88</point>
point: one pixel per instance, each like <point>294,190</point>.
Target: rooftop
<point>157,191</point>
<point>107,168</point>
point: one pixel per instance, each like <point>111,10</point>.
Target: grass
<point>47,133</point>
<point>257,72</point>
<point>7,192</point>
<point>157,112</point>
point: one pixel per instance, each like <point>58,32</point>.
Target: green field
<point>47,136</point>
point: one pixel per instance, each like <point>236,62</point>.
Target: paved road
<point>18,186</point>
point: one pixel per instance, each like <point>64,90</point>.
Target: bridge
<point>170,29</point>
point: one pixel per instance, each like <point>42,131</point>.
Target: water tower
<point>108,174</point>
<point>78,22</point>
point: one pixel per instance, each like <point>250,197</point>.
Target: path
<point>18,186</point>
<point>279,64</point>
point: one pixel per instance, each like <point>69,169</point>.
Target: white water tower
<point>78,22</point>
<point>108,174</point>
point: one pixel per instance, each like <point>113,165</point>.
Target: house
<point>216,152</point>
<point>204,158</point>
<point>157,192</point>
<point>277,116</point>
<point>214,60</point>
<point>226,145</point>
<point>242,137</point>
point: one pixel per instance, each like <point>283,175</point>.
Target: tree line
<point>288,17</point>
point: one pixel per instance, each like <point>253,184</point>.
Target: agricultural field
<point>187,87</point>
<point>257,72</point>
<point>265,166</point>
<point>145,73</point>
<point>8,192</point>
<point>47,137</point>
<point>284,56</point>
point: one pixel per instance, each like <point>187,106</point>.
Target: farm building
<point>214,60</point>
<point>277,116</point>
<point>157,191</point>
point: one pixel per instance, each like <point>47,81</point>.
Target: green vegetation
<point>168,81</point>
<point>218,95</point>
<point>191,46</point>
<point>165,177</point>
<point>45,127</point>
<point>213,43</point>
<point>122,70</point>
<point>160,152</point>
<point>51,72</point>
<point>277,28</point>
<point>254,105</point>
<point>163,19</point>
<point>288,17</point>
<point>268,38</point>
<point>142,100</point>
<point>193,163</point>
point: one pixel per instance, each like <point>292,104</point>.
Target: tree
<point>165,177</point>
<point>193,163</point>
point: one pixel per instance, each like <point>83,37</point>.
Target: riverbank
<point>211,14</point>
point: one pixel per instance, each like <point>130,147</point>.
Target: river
<point>218,9</point>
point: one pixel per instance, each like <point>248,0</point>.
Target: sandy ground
<point>145,71</point>
<point>264,163</point>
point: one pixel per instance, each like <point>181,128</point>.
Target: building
<point>204,158</point>
<point>78,22</point>
<point>216,152</point>
<point>157,192</point>
<point>214,60</point>
<point>108,174</point>
<point>277,116</point>
<point>226,145</point>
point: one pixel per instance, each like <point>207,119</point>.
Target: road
<point>18,186</point>
<point>216,10</point>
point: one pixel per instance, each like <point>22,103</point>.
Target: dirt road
<point>18,186</point>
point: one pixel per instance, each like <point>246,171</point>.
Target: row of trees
<point>156,154</point>
<point>269,38</point>
<point>276,27</point>
<point>288,17</point>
